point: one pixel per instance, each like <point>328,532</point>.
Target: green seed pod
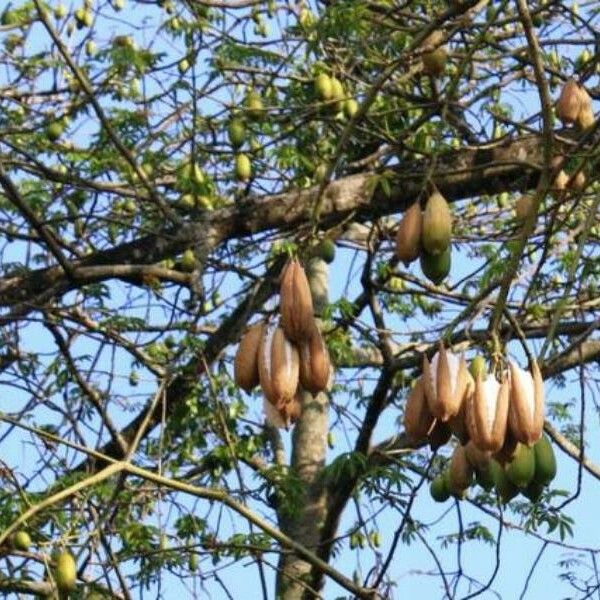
<point>243,167</point>
<point>65,574</point>
<point>545,461</point>
<point>436,267</point>
<point>437,225</point>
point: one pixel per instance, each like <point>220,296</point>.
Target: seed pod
<point>21,540</point>
<point>438,488</point>
<point>461,472</point>
<point>245,367</point>
<point>434,62</point>
<point>445,382</point>
<point>323,87</point>
<point>507,452</point>
<point>458,422</point>
<point>315,366</point>
<point>277,366</point>
<point>545,461</point>
<point>523,207</point>
<point>243,167</point>
<point>577,181</point>
<point>569,102</point>
<point>521,469</point>
<point>526,412</point>
<point>585,119</point>
<point>408,236</point>
<point>439,435</point>
<point>561,180</point>
<point>418,420</point>
<point>437,224</point>
<point>296,306</point>
<point>436,266</point>
<point>487,413</point>
<point>478,459</point>
<point>287,415</point>
<point>478,366</point>
<point>292,411</point>
<point>505,488</point>
<point>236,132</point>
<point>65,574</point>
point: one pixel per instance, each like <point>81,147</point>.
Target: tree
<point>159,163</point>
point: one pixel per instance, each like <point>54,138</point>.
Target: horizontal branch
<point>460,174</point>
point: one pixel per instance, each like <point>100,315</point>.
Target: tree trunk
<point>309,448</point>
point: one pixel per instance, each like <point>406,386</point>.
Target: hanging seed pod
<point>245,367</point>
<point>478,459</point>
<point>524,207</point>
<point>507,452</point>
<point>287,415</point>
<point>481,463</point>
<point>577,181</point>
<point>408,236</point>
<point>296,306</point>
<point>458,422</point>
<point>526,412</point>
<point>545,461</point>
<point>521,469</point>
<point>418,420</point>
<point>292,411</point>
<point>487,413</point>
<point>461,472</point>
<point>436,266</point>
<point>569,102</point>
<point>445,382</point>
<point>315,366</point>
<point>439,435</point>
<point>434,62</point>
<point>437,225</point>
<point>560,181</point>
<point>278,366</point>
<point>585,119</point>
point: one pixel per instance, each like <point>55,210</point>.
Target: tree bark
<point>309,449</point>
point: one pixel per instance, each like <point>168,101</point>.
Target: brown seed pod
<point>526,411</point>
<point>460,475</point>
<point>418,420</point>
<point>436,232</point>
<point>439,435</point>
<point>585,119</point>
<point>508,450</point>
<point>245,367</point>
<point>569,102</point>
<point>577,181</point>
<point>561,180</point>
<point>523,207</point>
<point>296,305</point>
<point>292,411</point>
<point>315,366</point>
<point>278,366</point>
<point>487,413</point>
<point>408,236</point>
<point>458,422</point>
<point>284,417</point>
<point>445,381</point>
<point>478,459</point>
